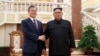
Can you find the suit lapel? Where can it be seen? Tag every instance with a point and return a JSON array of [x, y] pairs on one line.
[[39, 26], [31, 24]]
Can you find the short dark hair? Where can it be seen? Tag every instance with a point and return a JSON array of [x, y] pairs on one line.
[[57, 8], [31, 6]]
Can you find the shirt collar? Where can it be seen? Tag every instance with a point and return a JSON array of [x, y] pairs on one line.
[[32, 18], [58, 21]]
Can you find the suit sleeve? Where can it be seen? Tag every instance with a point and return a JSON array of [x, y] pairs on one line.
[[47, 32], [43, 43], [26, 32], [72, 42], [44, 46]]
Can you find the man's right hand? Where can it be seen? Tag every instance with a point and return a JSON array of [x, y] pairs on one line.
[[42, 38]]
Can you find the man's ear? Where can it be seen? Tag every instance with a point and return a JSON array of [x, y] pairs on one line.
[[62, 13]]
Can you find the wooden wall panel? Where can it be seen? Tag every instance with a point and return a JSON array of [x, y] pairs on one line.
[[76, 18]]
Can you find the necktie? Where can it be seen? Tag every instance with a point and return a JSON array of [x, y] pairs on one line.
[[35, 25]]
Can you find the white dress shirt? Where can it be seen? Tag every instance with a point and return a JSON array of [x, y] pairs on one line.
[[34, 21]]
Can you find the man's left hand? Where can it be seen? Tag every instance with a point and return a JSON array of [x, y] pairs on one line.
[[44, 51], [72, 49]]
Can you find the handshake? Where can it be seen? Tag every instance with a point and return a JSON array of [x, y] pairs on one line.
[[42, 38]]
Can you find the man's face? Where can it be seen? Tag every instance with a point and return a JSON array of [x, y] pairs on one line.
[[58, 14], [32, 12]]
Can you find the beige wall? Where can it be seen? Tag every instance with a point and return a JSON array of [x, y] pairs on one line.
[[4, 33], [37, 0], [1, 17], [42, 17], [89, 3]]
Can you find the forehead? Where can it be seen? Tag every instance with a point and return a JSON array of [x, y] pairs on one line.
[[33, 8], [57, 10]]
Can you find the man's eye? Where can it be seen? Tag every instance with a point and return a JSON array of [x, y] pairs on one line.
[[57, 12]]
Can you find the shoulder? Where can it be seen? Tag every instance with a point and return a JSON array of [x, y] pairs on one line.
[[50, 22], [66, 21], [39, 21], [26, 19]]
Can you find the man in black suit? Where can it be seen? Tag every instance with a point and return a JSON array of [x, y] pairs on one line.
[[60, 34], [33, 34]]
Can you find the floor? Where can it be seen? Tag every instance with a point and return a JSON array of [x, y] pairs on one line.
[[71, 55]]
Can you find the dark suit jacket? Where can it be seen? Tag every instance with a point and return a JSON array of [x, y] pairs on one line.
[[31, 43], [61, 37]]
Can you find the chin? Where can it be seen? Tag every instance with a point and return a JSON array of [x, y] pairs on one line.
[[33, 16]]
